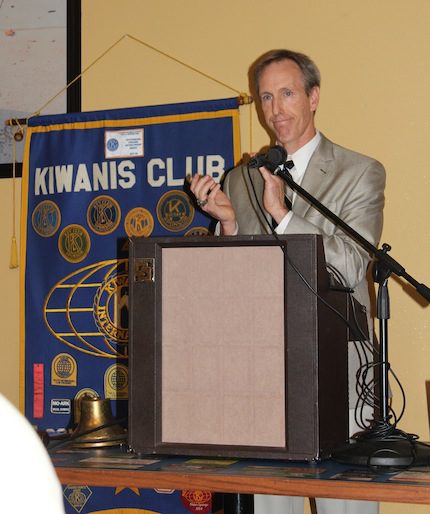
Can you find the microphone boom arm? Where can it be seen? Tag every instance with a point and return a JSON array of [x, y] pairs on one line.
[[381, 255], [382, 445]]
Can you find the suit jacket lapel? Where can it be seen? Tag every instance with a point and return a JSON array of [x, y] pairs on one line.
[[252, 225], [318, 171]]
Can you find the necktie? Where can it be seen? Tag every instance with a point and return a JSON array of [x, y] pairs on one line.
[[288, 191]]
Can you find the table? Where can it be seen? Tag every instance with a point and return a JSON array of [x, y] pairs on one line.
[[114, 467]]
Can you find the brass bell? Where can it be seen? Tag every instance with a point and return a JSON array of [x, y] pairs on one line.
[[96, 427]]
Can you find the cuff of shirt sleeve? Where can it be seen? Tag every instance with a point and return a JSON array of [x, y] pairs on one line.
[[282, 227], [218, 229]]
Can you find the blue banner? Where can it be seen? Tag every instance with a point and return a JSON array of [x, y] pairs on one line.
[[107, 500], [90, 181]]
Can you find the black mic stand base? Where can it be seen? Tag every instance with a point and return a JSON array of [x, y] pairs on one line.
[[383, 445], [384, 453]]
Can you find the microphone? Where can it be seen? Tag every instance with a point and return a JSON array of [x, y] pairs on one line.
[[275, 156]]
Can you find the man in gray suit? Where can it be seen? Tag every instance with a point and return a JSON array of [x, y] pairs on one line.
[[287, 85]]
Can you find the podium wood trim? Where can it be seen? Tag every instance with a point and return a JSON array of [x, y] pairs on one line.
[[316, 389]]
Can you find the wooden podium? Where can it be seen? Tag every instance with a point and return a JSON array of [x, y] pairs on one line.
[[233, 350]]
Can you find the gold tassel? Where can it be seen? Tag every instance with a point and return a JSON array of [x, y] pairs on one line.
[[13, 263]]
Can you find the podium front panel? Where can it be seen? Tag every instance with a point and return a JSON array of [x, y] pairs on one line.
[[223, 342], [226, 355]]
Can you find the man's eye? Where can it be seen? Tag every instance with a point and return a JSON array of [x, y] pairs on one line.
[[288, 92]]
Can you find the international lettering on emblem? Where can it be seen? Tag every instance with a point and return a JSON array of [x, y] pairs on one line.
[[99, 326], [111, 307]]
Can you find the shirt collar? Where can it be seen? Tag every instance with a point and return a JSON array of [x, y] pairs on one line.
[[303, 155]]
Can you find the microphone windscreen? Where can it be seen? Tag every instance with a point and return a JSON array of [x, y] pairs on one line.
[[275, 156], [257, 161]]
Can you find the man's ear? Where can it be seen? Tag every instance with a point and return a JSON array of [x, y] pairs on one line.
[[314, 98]]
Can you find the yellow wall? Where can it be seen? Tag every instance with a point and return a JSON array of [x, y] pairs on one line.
[[373, 58], [9, 299], [376, 77]]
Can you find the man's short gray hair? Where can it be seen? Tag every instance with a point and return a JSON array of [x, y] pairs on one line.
[[310, 71]]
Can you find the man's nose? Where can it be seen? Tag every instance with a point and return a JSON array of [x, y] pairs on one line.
[[276, 106]]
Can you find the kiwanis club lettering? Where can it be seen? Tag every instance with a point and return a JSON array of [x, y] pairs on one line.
[[67, 178], [112, 175], [161, 172]]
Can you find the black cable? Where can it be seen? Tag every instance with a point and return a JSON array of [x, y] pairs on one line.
[[364, 387], [375, 365], [67, 440], [292, 264], [269, 225]]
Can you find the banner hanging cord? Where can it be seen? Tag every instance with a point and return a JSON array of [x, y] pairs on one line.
[[17, 136], [243, 98]]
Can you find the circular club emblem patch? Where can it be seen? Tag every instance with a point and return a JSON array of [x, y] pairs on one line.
[[46, 218], [197, 231], [139, 222], [174, 211], [116, 382], [197, 501], [112, 144], [64, 366], [74, 243], [103, 215]]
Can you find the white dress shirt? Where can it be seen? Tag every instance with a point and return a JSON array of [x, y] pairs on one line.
[[301, 160]]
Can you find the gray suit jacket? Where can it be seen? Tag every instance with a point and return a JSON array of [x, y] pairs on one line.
[[348, 183]]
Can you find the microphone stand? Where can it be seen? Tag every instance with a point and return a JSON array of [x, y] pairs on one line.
[[382, 445]]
